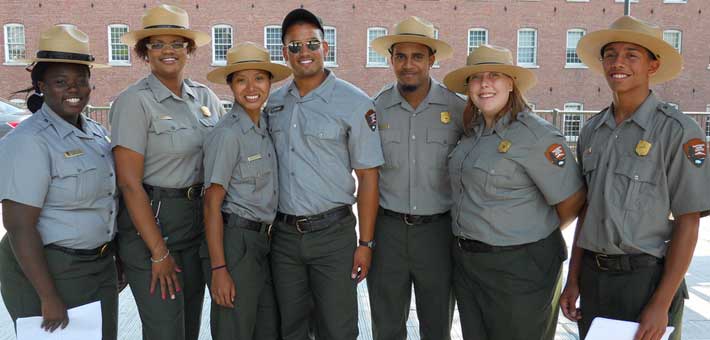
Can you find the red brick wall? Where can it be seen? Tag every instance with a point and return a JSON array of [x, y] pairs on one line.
[[502, 18]]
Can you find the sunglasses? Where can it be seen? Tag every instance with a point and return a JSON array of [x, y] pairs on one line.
[[295, 46], [161, 46]]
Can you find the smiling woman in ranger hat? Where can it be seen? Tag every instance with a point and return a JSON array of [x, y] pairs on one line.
[[642, 160], [515, 187], [240, 201], [158, 127], [58, 194]]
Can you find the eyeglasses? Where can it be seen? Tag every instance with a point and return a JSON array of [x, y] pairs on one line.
[[295, 46], [161, 46]]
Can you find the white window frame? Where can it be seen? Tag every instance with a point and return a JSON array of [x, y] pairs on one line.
[[436, 61], [332, 47], [534, 63], [676, 106], [266, 44], [572, 118], [215, 61], [6, 43], [622, 1], [679, 33], [226, 104], [578, 64], [468, 37], [707, 123], [675, 1], [111, 61], [370, 51]]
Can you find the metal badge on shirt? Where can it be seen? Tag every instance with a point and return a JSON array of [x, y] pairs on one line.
[[445, 117], [504, 146], [696, 151], [556, 154], [643, 148], [206, 111], [73, 153], [254, 157]]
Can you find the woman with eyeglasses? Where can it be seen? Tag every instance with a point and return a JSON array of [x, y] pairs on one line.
[[158, 127]]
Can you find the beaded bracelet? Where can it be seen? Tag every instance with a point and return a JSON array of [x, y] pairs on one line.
[[162, 258]]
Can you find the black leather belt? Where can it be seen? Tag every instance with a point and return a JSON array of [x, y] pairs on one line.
[[620, 263], [413, 219], [474, 246], [233, 220], [310, 223], [191, 193], [100, 251]]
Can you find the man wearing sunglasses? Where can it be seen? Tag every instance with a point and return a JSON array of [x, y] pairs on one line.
[[323, 128], [420, 124]]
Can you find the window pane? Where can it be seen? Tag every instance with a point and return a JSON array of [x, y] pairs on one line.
[[572, 122], [119, 51], [526, 47], [572, 40], [222, 41], [273, 43], [372, 56], [673, 38], [330, 37], [476, 37], [15, 42]]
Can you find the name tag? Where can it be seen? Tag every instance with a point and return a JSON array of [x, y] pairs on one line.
[[73, 153], [107, 138], [276, 109], [254, 157], [384, 126], [165, 117]]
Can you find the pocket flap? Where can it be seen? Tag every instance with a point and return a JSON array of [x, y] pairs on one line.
[[441, 136]]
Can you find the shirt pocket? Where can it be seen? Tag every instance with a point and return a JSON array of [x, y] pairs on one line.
[[173, 136], [74, 180], [327, 138], [589, 166], [254, 177], [391, 139], [641, 183], [440, 142], [482, 176]]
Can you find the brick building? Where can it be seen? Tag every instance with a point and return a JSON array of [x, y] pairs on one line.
[[541, 34]]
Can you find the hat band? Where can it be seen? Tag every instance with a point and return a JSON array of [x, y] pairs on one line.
[[164, 26], [491, 63], [248, 61], [65, 56], [416, 34]]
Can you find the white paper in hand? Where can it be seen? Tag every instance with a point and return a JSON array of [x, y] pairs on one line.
[[610, 329], [84, 324]]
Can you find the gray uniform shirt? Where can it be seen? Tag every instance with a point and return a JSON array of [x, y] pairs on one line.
[[629, 194], [68, 173], [415, 179], [240, 157], [506, 181], [320, 138], [166, 129]]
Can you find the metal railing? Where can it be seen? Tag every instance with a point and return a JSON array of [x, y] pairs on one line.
[[99, 114]]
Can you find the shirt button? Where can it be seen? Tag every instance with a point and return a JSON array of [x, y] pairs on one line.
[[294, 125], [493, 171], [109, 194], [110, 175], [292, 174], [414, 137], [636, 177], [103, 156], [292, 150], [414, 207]]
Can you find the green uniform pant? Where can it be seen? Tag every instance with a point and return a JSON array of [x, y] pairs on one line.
[[255, 315], [405, 255], [511, 294], [623, 295], [78, 279], [181, 223], [312, 279]]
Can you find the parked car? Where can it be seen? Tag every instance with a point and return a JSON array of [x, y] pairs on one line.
[[11, 116]]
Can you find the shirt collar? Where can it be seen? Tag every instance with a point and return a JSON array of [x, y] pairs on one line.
[[436, 95], [324, 90], [161, 92], [244, 121], [642, 115], [63, 127]]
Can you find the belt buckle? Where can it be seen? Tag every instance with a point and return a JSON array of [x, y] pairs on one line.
[[405, 218], [190, 192], [103, 249], [269, 228], [599, 265], [458, 242], [298, 225]]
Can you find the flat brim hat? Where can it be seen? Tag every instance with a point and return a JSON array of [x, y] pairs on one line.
[[631, 30], [248, 56], [165, 20], [488, 58], [413, 30], [300, 15], [64, 44]]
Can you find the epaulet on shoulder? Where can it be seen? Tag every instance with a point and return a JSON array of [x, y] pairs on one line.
[[193, 83], [596, 115], [675, 114], [89, 119], [456, 94], [383, 90], [536, 124]]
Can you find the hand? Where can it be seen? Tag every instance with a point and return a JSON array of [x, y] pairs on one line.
[[223, 290], [653, 322], [164, 272], [361, 263], [54, 314], [568, 301]]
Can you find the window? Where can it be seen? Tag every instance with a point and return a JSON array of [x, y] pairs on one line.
[[571, 57], [622, 1], [221, 43], [14, 43], [532, 106], [272, 42], [675, 1], [477, 37], [572, 122], [373, 58], [436, 36], [674, 105], [527, 47], [707, 123], [331, 36], [118, 53], [673, 37], [227, 105]]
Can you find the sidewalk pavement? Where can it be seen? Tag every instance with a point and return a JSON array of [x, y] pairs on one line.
[[696, 319]]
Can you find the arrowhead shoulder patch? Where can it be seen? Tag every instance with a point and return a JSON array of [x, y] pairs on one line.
[[556, 154], [371, 119]]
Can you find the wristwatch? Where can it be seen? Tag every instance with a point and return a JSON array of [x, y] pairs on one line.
[[370, 244]]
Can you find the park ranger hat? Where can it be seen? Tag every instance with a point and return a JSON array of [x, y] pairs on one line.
[[632, 30], [414, 30], [248, 56], [488, 58], [165, 20], [64, 44]]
